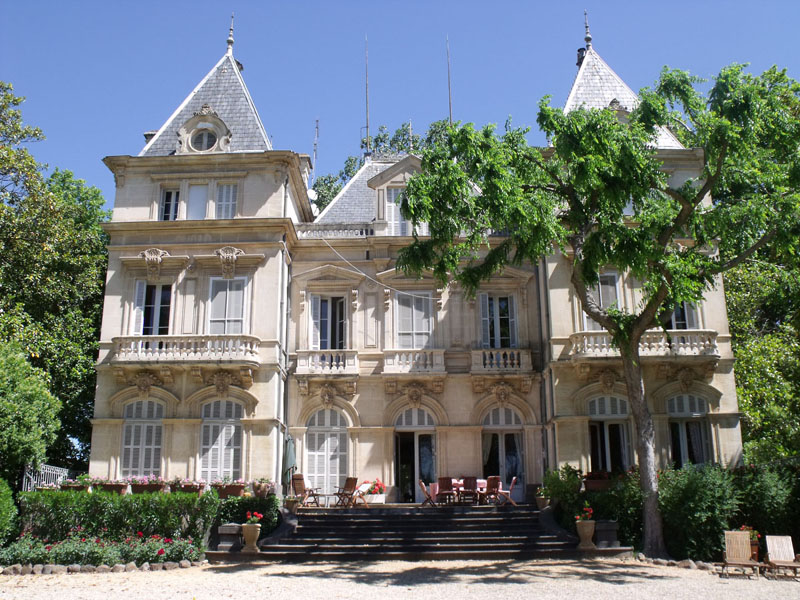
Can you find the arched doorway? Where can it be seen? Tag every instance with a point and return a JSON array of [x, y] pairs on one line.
[[326, 450], [414, 452], [502, 449]]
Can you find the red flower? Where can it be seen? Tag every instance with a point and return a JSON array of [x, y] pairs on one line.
[[160, 551], [167, 540], [140, 534], [83, 539], [97, 540], [249, 515], [48, 548]]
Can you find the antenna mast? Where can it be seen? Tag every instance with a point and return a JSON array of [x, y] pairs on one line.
[[366, 68], [314, 159], [449, 87]]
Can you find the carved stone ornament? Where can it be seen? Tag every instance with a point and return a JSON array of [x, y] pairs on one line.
[[326, 393], [166, 375], [439, 299], [354, 299], [227, 257], [152, 259], [302, 384], [350, 388], [607, 379], [414, 391], [478, 384], [205, 111], [197, 374], [246, 376], [685, 377], [502, 392], [437, 385], [222, 381], [143, 381], [387, 298]]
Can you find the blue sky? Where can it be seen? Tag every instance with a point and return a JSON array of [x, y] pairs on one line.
[[99, 74]]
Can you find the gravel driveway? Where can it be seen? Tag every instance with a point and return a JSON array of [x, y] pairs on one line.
[[387, 580]]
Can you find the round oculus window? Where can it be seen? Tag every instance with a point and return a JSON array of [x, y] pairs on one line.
[[202, 140]]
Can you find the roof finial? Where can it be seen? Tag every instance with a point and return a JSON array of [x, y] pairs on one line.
[[230, 37], [588, 37]]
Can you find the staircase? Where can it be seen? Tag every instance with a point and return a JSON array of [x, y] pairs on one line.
[[412, 533]]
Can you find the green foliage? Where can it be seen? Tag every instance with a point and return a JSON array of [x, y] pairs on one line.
[[53, 514], [235, 509], [622, 502], [564, 488], [28, 421], [697, 505], [8, 512], [766, 498], [52, 272], [83, 549]]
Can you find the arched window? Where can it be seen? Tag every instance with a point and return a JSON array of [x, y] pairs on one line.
[[221, 441], [502, 417], [141, 438], [690, 437], [415, 418], [502, 448], [326, 450], [609, 434]]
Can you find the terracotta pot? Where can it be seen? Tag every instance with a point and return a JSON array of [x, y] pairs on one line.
[[75, 487], [262, 490], [250, 532], [228, 490], [754, 550], [291, 505], [542, 502], [114, 488], [140, 488], [596, 485], [188, 488], [585, 533]]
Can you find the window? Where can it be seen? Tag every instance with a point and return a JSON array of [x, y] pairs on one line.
[[605, 294], [397, 224], [414, 319], [141, 439], [221, 443], [168, 209], [198, 198], [226, 200], [502, 448], [151, 309], [498, 322], [227, 306], [689, 430], [415, 418], [203, 140], [328, 323], [326, 447], [609, 436], [684, 316]]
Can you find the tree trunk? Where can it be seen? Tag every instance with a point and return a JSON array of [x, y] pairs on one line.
[[653, 542]]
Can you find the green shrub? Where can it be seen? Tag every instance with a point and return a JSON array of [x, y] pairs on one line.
[[564, 487], [697, 506], [8, 512], [54, 514], [622, 502], [235, 509], [766, 495], [82, 549]]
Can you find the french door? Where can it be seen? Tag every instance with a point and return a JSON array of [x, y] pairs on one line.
[[502, 455], [327, 460], [415, 459]]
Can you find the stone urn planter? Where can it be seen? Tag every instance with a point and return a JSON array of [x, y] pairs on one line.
[[228, 490], [263, 489], [542, 502], [375, 498], [292, 504], [114, 488], [585, 533], [250, 532], [143, 488]]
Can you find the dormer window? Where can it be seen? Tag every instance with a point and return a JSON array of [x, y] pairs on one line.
[[204, 140], [204, 132], [397, 224]]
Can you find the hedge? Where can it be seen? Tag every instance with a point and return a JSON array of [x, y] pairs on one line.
[[235, 509], [8, 512]]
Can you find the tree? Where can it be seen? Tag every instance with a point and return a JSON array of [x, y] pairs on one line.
[[600, 191], [28, 421], [52, 272]]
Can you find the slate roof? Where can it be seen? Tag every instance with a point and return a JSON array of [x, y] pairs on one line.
[[356, 202], [224, 90], [597, 85]]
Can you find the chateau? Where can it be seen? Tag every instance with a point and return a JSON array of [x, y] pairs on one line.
[[234, 318]]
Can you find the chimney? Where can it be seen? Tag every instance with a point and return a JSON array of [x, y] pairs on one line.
[[581, 56], [149, 135]]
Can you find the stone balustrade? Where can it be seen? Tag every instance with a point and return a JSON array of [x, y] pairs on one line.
[[327, 362], [186, 348], [494, 360], [675, 342], [413, 361]]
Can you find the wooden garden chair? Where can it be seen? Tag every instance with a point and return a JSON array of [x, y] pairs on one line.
[[780, 554], [360, 494], [345, 494], [428, 499], [505, 495], [304, 493], [469, 490], [738, 554], [490, 494], [446, 492]]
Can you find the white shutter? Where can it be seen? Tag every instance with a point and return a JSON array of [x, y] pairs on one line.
[[608, 290], [198, 198], [219, 289], [405, 321], [485, 341], [235, 307], [691, 315], [512, 321], [314, 325], [138, 307]]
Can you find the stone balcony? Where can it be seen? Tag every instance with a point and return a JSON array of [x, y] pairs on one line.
[[327, 362], [501, 360], [654, 343], [232, 349], [413, 361]]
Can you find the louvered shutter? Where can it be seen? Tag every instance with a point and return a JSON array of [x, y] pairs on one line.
[[512, 321], [691, 316], [315, 327], [486, 342], [138, 307]]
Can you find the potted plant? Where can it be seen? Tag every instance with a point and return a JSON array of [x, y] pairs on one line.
[[227, 487], [115, 486], [146, 483], [251, 529], [291, 503], [542, 498], [754, 537], [189, 486], [584, 523], [596, 481], [376, 494], [263, 487], [80, 484]]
